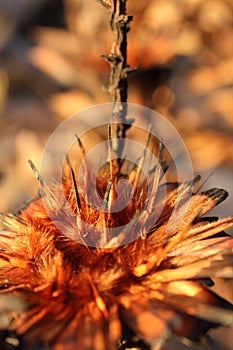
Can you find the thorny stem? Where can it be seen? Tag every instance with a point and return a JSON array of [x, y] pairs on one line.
[[118, 81]]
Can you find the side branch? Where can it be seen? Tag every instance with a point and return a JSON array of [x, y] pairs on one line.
[[104, 3]]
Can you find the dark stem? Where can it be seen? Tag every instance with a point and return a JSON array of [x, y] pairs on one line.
[[118, 81]]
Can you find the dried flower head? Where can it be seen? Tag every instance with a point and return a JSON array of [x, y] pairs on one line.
[[112, 294]]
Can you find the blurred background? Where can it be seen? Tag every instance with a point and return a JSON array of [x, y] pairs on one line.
[[50, 68]]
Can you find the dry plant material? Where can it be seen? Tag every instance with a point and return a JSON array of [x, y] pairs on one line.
[[122, 295], [118, 82], [112, 294]]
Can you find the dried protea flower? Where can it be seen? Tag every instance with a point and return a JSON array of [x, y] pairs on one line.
[[97, 278]]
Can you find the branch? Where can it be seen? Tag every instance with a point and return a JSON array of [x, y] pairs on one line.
[[117, 59]]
